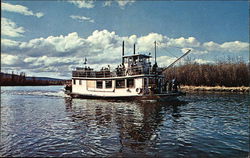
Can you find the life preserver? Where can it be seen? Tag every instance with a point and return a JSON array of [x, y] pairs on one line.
[[138, 90]]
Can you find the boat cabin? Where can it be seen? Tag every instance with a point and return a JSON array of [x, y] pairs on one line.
[[134, 76]]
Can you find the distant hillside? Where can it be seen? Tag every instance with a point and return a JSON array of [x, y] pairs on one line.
[[21, 80], [45, 78]]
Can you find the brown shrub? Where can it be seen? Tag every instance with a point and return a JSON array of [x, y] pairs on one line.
[[221, 74]]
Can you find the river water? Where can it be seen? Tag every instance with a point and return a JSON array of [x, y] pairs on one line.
[[42, 121]]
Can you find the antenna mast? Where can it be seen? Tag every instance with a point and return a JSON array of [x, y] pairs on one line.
[[155, 52]]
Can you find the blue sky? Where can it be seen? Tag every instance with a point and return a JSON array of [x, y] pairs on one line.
[[215, 29]]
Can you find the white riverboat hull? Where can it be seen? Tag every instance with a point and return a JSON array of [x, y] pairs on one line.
[[159, 97]]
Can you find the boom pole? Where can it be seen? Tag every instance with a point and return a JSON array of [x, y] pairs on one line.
[[179, 58]]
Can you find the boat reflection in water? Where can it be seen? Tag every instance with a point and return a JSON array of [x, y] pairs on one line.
[[120, 128]]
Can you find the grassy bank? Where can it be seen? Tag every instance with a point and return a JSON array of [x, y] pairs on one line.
[[241, 89]]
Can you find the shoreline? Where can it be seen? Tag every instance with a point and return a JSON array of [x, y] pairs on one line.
[[30, 85], [194, 89], [241, 89]]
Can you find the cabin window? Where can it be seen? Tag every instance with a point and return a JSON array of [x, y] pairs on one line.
[[80, 82], [74, 81], [108, 84], [120, 83], [99, 84], [130, 83]]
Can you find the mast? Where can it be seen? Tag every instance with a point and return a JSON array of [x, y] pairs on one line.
[[122, 52], [155, 52], [155, 66]]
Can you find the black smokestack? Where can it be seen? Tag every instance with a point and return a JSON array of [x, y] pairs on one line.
[[122, 48], [134, 48]]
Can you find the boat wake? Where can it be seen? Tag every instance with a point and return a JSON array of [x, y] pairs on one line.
[[39, 93]]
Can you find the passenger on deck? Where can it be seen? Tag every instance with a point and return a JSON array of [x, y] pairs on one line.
[[165, 86], [176, 85], [170, 86]]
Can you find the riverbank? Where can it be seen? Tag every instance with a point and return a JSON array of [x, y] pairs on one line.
[[23, 80], [242, 89], [227, 73], [19, 85]]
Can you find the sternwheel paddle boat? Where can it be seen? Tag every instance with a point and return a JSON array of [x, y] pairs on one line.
[[134, 79]]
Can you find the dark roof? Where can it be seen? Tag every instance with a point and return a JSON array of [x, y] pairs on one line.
[[146, 56]]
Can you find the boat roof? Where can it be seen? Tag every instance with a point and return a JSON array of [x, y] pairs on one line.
[[146, 56]]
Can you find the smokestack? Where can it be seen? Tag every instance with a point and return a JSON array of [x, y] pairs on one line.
[[122, 48], [134, 48]]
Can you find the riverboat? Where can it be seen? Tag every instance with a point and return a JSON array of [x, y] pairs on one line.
[[134, 79]]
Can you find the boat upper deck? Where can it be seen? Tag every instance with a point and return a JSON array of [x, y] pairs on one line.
[[132, 65], [119, 72]]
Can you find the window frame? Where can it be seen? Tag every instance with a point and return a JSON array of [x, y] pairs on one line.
[[106, 84], [127, 80], [120, 86], [99, 87]]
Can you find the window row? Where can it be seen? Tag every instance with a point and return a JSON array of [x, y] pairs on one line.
[[120, 83]]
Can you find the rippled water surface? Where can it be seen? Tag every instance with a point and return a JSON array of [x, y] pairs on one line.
[[42, 121]]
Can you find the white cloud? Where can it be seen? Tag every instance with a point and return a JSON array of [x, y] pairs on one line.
[[102, 48], [235, 46], [194, 51], [164, 61], [55, 46], [39, 15], [121, 3], [107, 3], [7, 59], [202, 61], [146, 43], [82, 18], [9, 28], [182, 42], [83, 3], [8, 43], [20, 9], [51, 61], [211, 46]]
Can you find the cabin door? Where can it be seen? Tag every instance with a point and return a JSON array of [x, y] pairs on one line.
[[145, 84]]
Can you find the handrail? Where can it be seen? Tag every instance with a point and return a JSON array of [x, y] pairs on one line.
[[135, 70]]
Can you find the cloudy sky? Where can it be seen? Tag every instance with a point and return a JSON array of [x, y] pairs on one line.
[[50, 38]]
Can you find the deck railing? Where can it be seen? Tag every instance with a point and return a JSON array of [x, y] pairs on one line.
[[136, 70]]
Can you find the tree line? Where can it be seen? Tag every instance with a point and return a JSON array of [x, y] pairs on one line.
[[21, 80], [223, 73]]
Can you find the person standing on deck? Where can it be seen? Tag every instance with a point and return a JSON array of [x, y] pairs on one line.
[[170, 86], [176, 85]]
